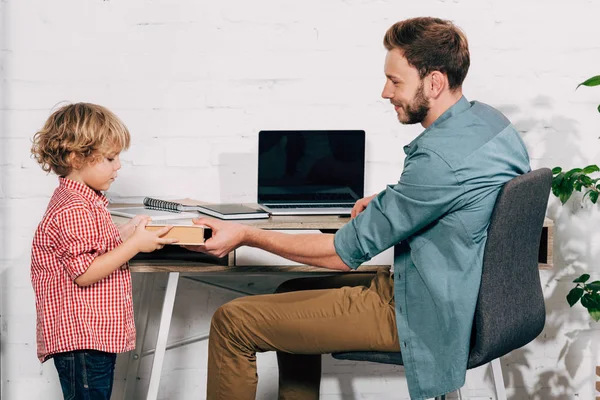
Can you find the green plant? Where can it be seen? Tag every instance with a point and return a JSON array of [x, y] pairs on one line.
[[593, 81], [563, 185], [589, 293]]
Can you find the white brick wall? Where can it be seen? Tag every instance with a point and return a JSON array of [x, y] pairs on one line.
[[196, 80]]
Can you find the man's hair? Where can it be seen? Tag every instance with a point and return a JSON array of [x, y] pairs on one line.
[[431, 44], [88, 131]]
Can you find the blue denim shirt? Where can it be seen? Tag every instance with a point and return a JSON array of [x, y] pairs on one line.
[[437, 216]]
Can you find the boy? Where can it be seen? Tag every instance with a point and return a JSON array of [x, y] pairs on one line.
[[79, 256]]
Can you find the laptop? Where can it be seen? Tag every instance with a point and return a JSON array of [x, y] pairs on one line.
[[315, 172]]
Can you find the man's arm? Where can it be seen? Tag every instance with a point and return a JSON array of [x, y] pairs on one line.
[[310, 249]]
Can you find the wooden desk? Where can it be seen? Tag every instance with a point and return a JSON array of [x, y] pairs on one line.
[[327, 224]]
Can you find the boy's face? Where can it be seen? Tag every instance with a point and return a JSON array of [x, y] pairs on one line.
[[100, 173]]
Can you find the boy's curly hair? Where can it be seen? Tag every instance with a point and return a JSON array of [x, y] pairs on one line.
[[88, 131]]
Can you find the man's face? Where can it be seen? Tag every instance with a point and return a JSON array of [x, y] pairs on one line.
[[405, 89]]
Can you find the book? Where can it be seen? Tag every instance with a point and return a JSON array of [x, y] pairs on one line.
[[228, 211], [184, 231], [130, 212]]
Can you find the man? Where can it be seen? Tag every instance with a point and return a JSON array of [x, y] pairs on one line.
[[436, 217]]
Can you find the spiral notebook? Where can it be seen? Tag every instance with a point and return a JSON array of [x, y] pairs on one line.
[[155, 214], [228, 211]]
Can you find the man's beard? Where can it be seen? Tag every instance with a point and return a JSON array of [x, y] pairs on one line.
[[418, 110]]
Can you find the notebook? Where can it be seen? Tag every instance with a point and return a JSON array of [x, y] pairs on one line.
[[155, 214], [229, 211], [310, 172]]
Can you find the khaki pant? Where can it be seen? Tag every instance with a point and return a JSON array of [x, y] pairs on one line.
[[350, 312]]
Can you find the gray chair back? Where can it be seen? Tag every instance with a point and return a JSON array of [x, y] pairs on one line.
[[510, 309]]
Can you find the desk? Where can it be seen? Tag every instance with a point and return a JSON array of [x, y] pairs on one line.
[[326, 224]]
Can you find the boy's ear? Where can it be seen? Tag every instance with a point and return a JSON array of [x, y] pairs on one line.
[[76, 160]]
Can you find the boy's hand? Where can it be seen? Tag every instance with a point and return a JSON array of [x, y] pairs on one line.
[[147, 241], [126, 230]]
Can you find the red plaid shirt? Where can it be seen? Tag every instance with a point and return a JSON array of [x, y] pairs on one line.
[[76, 229]]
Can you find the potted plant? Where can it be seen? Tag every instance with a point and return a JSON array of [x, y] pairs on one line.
[[563, 185]]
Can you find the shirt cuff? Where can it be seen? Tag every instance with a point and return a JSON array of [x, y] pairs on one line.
[[78, 265], [347, 246]]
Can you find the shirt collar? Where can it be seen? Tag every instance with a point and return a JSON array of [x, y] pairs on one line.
[[460, 106], [93, 196]]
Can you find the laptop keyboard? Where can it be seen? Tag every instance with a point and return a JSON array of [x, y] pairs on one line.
[[309, 206]]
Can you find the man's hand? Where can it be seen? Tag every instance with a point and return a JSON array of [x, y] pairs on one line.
[[126, 230], [361, 205], [226, 237]]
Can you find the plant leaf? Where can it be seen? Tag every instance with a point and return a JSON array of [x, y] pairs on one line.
[[582, 279], [557, 184], [556, 170], [591, 168], [565, 188], [585, 180], [595, 286], [595, 313], [574, 296], [573, 172], [593, 196], [593, 81], [589, 301]]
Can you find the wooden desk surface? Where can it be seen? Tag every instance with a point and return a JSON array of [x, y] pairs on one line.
[[323, 223]]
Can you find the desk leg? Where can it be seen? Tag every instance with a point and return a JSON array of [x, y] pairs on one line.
[[163, 333], [142, 308]]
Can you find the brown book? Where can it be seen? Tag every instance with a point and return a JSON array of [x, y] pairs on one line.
[[185, 233]]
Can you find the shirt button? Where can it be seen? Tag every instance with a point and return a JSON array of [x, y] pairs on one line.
[[404, 344], [400, 309]]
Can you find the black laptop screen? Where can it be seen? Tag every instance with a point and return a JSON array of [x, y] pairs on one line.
[[309, 166]]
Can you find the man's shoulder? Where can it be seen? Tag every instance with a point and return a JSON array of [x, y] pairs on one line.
[[468, 133]]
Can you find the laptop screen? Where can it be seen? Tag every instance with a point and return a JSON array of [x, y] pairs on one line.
[[311, 166]]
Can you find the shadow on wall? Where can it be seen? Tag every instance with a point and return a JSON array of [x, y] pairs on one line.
[[557, 138]]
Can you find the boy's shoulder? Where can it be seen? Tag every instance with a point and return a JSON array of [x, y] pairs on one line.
[[64, 200]]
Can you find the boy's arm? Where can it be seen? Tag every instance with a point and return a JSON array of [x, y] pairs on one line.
[[140, 241], [107, 263]]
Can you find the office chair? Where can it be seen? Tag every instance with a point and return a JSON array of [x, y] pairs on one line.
[[510, 308]]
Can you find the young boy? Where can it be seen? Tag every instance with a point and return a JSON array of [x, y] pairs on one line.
[[79, 257]]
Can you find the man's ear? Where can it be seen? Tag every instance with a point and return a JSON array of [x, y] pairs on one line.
[[436, 83]]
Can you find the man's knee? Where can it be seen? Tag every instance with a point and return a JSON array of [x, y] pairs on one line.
[[228, 316]]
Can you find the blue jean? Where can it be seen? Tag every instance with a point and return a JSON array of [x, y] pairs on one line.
[[86, 374]]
